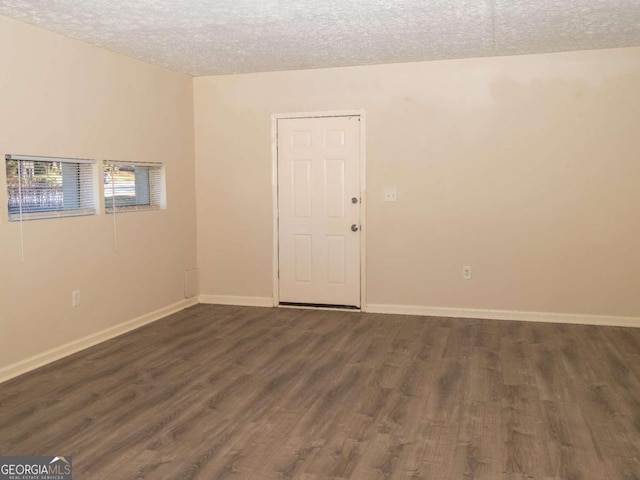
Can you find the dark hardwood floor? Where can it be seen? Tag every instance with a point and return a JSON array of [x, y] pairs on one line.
[[219, 392]]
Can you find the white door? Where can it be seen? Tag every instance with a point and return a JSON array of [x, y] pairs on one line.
[[319, 210]]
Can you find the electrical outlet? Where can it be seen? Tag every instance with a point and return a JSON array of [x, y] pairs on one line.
[[75, 298], [466, 273], [390, 195]]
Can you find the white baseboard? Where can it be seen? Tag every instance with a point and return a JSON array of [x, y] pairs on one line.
[[574, 318], [70, 348], [237, 300]]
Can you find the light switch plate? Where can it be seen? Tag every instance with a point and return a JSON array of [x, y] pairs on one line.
[[75, 298], [466, 272]]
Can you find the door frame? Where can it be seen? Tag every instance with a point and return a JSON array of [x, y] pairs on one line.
[[363, 194]]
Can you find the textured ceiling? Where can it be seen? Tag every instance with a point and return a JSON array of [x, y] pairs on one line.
[[200, 37]]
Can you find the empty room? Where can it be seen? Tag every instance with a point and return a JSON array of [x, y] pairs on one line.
[[262, 239]]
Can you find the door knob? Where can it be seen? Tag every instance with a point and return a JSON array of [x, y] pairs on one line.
[[354, 228]]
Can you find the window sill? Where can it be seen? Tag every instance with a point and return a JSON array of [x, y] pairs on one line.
[[17, 217], [133, 208]]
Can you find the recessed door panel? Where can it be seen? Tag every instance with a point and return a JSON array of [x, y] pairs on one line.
[[301, 139], [336, 264], [301, 186], [334, 138], [334, 188], [303, 261]]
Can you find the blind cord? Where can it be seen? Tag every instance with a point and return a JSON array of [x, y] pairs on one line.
[[113, 207], [20, 207]]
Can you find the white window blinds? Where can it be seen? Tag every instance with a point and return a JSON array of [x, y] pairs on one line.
[[48, 187], [130, 186]]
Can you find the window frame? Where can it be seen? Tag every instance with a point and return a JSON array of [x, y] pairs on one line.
[[85, 192], [155, 191]]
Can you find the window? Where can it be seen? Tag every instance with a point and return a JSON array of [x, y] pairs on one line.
[[133, 186], [45, 187]]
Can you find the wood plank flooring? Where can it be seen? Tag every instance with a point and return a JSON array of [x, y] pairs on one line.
[[220, 392]]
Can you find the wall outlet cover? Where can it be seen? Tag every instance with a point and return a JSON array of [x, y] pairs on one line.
[[390, 195]]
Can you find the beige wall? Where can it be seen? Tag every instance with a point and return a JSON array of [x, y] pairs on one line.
[[60, 97], [525, 168]]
